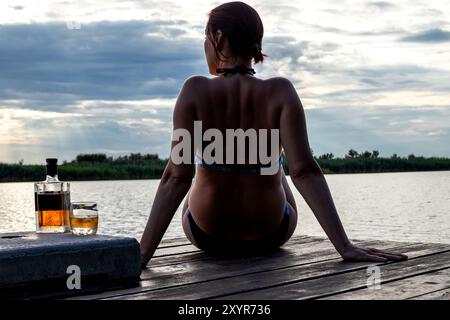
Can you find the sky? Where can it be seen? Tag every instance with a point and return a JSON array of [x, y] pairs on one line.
[[103, 76]]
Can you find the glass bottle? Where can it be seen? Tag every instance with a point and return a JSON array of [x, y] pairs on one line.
[[52, 201]]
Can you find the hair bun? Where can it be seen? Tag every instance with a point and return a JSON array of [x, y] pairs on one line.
[[241, 25], [258, 56]]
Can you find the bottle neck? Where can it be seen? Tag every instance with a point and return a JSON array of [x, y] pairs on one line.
[[53, 178], [52, 169]]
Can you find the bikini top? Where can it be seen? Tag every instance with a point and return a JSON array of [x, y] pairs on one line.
[[237, 69]]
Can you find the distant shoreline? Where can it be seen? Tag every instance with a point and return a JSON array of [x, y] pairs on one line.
[[138, 179], [97, 167], [135, 166]]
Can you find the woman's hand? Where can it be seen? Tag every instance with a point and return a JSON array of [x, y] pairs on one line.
[[354, 253]]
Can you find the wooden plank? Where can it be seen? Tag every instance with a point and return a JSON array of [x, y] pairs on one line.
[[161, 258], [175, 250], [202, 267], [178, 249], [315, 288], [296, 253], [172, 242], [401, 289], [167, 275], [443, 294], [167, 258], [261, 279]]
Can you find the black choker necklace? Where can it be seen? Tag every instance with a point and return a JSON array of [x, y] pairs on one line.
[[237, 69]]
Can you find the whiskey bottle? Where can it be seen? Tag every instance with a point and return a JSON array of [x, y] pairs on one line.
[[52, 201]]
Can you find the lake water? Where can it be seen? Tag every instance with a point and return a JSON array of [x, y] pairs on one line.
[[405, 206]]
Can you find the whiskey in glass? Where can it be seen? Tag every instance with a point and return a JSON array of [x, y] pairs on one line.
[[83, 218]]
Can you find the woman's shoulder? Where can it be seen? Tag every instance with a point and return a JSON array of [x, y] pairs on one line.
[[279, 85], [279, 88], [198, 79], [195, 81], [279, 82]]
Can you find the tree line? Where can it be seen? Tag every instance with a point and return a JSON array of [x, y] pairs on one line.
[[370, 162], [98, 166]]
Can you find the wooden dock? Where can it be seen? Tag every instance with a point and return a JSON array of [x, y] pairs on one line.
[[305, 268]]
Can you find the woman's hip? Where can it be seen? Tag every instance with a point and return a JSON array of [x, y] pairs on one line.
[[207, 242]]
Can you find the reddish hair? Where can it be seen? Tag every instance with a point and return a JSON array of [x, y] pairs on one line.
[[241, 25]]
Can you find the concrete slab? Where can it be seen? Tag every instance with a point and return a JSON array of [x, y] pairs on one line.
[[27, 257]]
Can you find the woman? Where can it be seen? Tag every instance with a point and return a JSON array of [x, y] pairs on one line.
[[235, 207]]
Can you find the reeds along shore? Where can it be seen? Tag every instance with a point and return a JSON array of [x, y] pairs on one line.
[[150, 166]]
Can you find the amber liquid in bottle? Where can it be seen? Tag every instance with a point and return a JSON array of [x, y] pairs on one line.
[[52, 202], [52, 211]]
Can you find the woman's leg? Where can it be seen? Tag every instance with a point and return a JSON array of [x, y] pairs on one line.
[[185, 221], [292, 207]]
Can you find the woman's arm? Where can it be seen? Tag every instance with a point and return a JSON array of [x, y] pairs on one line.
[[176, 179], [171, 191], [309, 180]]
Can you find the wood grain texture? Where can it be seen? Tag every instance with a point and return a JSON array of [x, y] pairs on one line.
[[326, 286], [305, 268], [274, 282], [406, 288]]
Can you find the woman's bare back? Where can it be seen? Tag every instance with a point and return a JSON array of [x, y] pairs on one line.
[[237, 205]]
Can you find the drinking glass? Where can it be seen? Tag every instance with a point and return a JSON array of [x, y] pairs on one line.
[[83, 218]]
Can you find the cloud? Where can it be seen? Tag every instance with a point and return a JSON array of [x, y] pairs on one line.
[[104, 60], [387, 129], [428, 36], [382, 5], [17, 7], [384, 31], [115, 81], [119, 127], [111, 84]]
